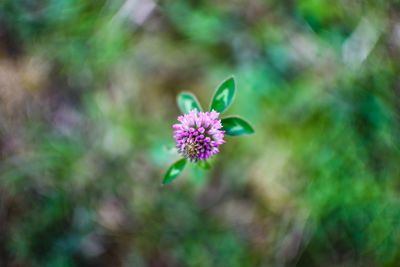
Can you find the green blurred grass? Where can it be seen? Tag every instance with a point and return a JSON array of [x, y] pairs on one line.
[[87, 103]]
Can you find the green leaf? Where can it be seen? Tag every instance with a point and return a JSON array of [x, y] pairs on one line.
[[187, 102], [174, 171], [236, 126], [223, 96], [204, 165]]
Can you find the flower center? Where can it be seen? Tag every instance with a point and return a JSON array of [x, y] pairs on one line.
[[191, 150]]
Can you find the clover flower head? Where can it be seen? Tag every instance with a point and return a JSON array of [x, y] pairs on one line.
[[198, 135]]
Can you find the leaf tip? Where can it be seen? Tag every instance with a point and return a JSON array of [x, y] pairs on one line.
[[231, 79], [187, 101]]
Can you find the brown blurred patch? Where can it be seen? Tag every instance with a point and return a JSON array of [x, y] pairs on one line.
[[21, 84]]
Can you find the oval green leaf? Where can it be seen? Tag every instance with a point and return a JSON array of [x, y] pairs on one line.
[[223, 96], [187, 102], [174, 171], [235, 126]]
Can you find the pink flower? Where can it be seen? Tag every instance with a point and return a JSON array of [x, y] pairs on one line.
[[198, 135]]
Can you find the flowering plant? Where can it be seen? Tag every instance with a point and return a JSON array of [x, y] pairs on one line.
[[199, 134]]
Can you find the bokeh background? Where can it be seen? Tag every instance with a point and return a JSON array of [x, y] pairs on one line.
[[87, 100]]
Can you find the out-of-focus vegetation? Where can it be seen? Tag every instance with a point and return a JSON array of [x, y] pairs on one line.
[[87, 100]]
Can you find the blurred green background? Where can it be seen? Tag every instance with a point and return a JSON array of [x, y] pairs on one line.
[[87, 101]]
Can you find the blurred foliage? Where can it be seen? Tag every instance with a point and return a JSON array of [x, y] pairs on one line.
[[87, 100]]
